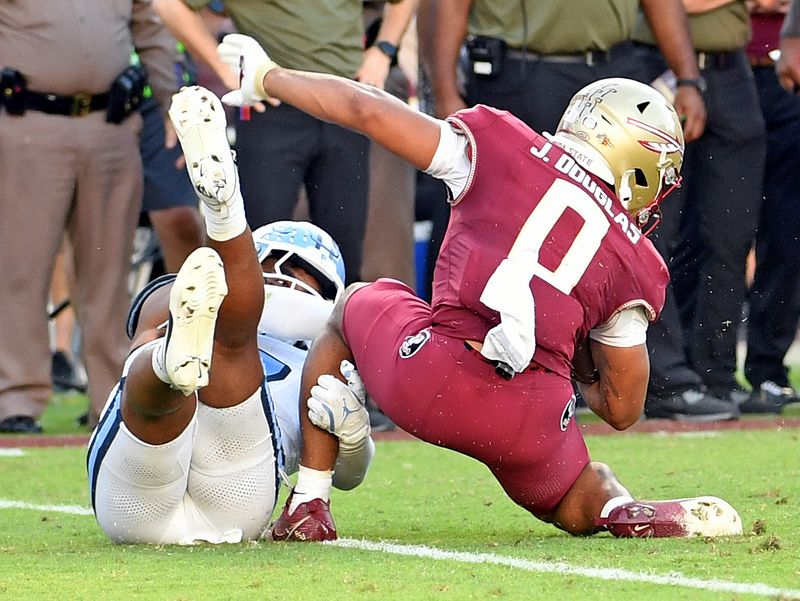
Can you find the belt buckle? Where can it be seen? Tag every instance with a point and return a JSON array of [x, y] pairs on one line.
[[81, 104], [702, 60], [589, 58]]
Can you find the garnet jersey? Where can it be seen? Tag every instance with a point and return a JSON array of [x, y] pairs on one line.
[[528, 201]]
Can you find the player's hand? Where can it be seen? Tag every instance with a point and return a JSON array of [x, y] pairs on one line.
[[245, 57], [339, 408]]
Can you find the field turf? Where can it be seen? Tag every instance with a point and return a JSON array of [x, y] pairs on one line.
[[427, 524]]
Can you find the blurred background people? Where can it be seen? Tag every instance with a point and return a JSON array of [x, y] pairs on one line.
[[67, 373], [774, 298], [514, 49], [709, 222], [389, 235], [69, 142], [281, 150]]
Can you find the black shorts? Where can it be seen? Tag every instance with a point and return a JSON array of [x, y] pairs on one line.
[[164, 185]]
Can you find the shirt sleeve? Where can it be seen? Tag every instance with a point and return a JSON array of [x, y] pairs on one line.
[[625, 328], [450, 162]]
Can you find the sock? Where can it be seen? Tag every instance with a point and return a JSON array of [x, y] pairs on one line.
[[229, 221], [612, 504], [311, 484], [158, 359]]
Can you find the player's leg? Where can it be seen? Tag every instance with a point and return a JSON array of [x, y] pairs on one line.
[[150, 476], [157, 423], [597, 501], [555, 479], [158, 399], [584, 501], [199, 120]]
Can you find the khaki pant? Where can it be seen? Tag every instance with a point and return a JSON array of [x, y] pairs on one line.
[[389, 238], [82, 176]]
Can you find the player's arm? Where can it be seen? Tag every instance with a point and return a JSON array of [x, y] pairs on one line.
[[612, 367], [618, 394], [441, 28], [337, 406], [380, 116]]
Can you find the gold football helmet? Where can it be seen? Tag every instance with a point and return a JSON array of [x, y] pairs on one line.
[[638, 134]]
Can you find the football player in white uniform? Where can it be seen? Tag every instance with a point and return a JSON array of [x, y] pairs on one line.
[[194, 440]]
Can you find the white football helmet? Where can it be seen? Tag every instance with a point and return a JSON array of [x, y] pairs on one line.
[[294, 311], [637, 135]]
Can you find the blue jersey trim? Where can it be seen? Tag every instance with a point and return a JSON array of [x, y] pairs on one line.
[[106, 431]]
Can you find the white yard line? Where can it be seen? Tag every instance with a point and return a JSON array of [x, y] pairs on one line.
[[73, 509], [12, 452], [564, 568], [423, 552]]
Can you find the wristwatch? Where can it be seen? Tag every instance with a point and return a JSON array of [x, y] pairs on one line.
[[699, 83], [387, 48]]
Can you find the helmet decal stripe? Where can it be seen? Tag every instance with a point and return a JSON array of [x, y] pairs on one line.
[[670, 144]]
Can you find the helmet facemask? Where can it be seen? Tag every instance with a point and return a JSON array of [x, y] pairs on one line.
[[648, 217]]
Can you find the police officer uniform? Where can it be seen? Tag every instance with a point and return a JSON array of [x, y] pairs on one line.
[[65, 169]]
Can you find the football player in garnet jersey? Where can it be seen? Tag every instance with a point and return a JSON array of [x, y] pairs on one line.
[[544, 252], [184, 454]]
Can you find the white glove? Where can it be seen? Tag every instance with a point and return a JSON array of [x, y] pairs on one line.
[[247, 58], [339, 408]]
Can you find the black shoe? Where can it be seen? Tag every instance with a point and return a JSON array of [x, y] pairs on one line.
[[379, 422], [63, 374], [20, 424], [83, 419], [736, 395], [691, 405], [769, 398]]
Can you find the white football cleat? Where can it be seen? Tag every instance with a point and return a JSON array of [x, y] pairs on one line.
[[194, 303], [699, 516], [199, 120], [711, 516]]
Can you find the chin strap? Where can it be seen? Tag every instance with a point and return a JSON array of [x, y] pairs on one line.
[[625, 192], [648, 219]]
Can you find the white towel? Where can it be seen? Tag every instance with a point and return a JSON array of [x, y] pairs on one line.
[[508, 291]]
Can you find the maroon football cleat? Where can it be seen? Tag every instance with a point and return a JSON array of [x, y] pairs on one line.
[[701, 516], [310, 522]]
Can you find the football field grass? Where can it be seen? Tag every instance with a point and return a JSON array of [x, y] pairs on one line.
[[426, 524]]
